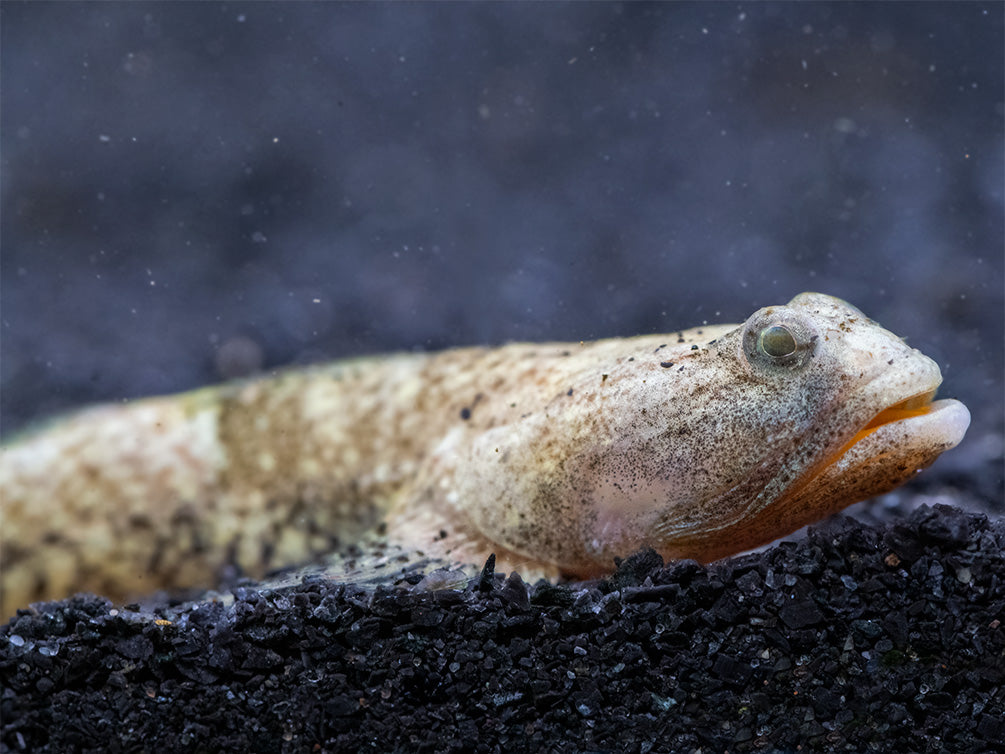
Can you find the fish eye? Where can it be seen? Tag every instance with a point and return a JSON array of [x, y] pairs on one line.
[[778, 337], [776, 341]]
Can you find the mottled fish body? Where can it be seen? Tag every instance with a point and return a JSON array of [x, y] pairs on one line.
[[557, 457]]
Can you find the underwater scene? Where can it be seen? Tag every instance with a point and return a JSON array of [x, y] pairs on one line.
[[596, 277]]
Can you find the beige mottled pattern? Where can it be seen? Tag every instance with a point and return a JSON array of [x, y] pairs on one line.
[[558, 457]]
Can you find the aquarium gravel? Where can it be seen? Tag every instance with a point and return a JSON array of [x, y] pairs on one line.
[[857, 638]]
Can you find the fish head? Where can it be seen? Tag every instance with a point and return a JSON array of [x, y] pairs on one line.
[[846, 411]]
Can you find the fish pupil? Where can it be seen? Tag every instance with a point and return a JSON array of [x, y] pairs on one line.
[[776, 341]]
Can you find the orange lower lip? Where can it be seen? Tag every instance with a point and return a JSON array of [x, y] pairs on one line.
[[919, 405]]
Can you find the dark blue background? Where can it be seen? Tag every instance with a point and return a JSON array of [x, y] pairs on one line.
[[192, 190]]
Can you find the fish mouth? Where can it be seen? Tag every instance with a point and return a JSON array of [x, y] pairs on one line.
[[890, 448], [909, 408], [918, 420]]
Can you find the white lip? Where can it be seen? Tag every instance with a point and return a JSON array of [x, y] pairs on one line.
[[946, 419], [941, 427]]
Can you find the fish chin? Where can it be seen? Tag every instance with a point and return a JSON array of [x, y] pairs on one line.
[[895, 445], [899, 441]]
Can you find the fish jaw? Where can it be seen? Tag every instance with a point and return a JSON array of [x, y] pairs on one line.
[[880, 461], [887, 455]]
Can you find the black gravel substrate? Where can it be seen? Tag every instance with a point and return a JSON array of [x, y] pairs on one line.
[[857, 639]]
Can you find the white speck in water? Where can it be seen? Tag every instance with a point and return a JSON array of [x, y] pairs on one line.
[[844, 126]]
